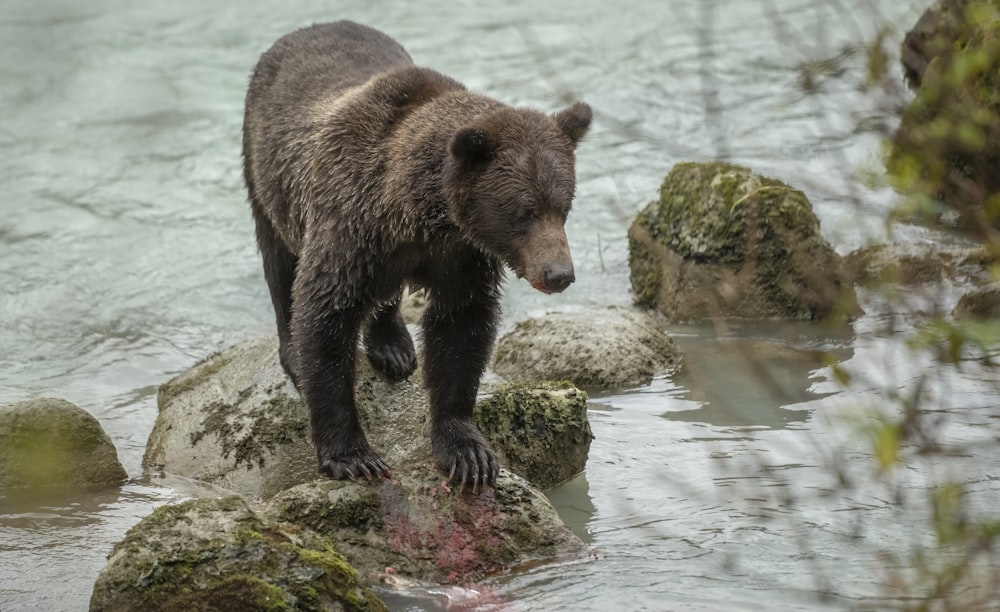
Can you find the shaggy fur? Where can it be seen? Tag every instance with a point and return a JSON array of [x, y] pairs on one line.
[[366, 173]]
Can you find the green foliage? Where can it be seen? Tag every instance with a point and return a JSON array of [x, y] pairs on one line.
[[944, 158], [946, 151]]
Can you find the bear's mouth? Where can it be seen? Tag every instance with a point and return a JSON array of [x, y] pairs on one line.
[[539, 283]]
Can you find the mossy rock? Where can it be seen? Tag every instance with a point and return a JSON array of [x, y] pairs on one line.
[[723, 241], [598, 348], [51, 442], [216, 554], [539, 429], [235, 420]]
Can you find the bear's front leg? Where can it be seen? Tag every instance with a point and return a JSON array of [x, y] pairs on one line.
[[458, 338], [325, 343]]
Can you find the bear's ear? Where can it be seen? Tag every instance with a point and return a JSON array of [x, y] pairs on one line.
[[472, 145], [574, 121]]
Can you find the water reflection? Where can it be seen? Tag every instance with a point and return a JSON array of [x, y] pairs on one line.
[[753, 373], [64, 535]]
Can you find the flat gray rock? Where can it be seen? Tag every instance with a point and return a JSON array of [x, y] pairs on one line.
[[598, 348]]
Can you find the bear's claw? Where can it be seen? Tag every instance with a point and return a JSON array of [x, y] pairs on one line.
[[363, 463], [466, 457]]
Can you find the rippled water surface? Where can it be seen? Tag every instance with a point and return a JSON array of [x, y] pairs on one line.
[[127, 253]]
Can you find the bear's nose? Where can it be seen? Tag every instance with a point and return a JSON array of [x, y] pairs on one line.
[[558, 277]]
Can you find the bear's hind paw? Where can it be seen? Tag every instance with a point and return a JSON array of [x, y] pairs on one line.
[[396, 362]]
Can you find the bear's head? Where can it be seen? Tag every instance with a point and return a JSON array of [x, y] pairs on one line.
[[509, 181]]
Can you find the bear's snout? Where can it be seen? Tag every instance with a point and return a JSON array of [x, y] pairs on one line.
[[557, 277], [549, 264]]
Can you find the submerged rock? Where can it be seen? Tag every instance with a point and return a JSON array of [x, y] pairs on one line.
[[597, 349], [235, 421], [420, 528], [550, 441], [216, 554], [915, 264], [51, 442], [723, 241], [981, 303]]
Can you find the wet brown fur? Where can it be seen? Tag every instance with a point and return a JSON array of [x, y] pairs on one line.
[[366, 173]]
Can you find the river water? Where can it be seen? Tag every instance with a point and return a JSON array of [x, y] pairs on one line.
[[747, 481]]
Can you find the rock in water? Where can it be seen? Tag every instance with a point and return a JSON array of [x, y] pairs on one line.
[[723, 241], [51, 442], [550, 441], [599, 348], [235, 421], [215, 554]]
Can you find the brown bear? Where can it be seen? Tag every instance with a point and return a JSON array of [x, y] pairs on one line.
[[366, 173]]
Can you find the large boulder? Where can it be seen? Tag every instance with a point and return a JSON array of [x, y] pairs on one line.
[[598, 348], [723, 241], [51, 442], [933, 35], [235, 421], [216, 554]]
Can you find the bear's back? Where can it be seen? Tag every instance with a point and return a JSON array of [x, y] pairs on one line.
[[321, 61]]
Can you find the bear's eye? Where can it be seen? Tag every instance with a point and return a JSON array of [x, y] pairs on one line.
[[527, 215]]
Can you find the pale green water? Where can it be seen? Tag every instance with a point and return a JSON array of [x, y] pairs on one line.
[[127, 254]]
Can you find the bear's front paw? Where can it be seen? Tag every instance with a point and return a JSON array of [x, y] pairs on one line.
[[362, 462], [461, 452]]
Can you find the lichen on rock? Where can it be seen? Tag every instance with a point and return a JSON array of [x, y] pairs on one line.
[[235, 421], [724, 241], [51, 442], [216, 554], [214, 426]]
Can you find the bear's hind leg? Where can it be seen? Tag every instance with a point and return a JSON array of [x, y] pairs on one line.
[[388, 343], [279, 272]]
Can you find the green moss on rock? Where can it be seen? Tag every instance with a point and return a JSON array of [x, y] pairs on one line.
[[723, 241], [429, 531], [540, 430], [218, 555], [250, 435]]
